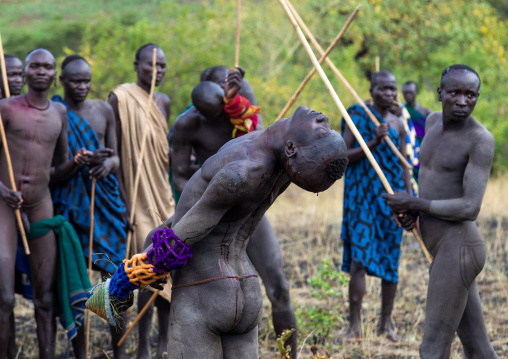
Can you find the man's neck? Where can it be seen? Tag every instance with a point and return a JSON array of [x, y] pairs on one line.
[[412, 104], [37, 98], [382, 111], [74, 105], [274, 142], [450, 124], [145, 87]]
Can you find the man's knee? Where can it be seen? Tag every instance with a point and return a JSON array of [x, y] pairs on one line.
[[44, 302], [277, 290], [7, 302]]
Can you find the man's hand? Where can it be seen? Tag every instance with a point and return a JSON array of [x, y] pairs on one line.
[[400, 201], [100, 155], [82, 158], [381, 132], [12, 198], [234, 82], [100, 171], [408, 221]]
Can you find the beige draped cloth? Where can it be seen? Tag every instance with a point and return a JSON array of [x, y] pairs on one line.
[[154, 191]]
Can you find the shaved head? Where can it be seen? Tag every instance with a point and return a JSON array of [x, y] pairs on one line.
[[35, 52], [208, 96]]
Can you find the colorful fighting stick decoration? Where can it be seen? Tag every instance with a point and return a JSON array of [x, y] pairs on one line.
[[346, 116], [115, 295], [7, 94]]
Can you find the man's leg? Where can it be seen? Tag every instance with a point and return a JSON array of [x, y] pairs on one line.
[[265, 254], [43, 270], [472, 331], [163, 310], [388, 291], [117, 334], [356, 294], [11, 352], [78, 343], [243, 346], [8, 244], [145, 325]]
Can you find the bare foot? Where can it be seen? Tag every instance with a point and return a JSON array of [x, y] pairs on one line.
[[389, 332], [352, 334]]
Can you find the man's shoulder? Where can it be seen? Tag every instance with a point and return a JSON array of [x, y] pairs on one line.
[[480, 132], [423, 110], [433, 118], [162, 97], [189, 120], [99, 105]]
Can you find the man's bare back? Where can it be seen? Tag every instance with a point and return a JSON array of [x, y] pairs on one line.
[[456, 156]]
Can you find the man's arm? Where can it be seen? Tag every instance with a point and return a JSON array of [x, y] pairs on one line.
[[466, 207], [183, 132], [111, 163], [11, 197], [356, 154]]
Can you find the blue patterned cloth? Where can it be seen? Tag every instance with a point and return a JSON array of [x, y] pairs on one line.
[[371, 237], [72, 200]]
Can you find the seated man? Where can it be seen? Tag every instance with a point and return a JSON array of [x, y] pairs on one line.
[[216, 298], [456, 156]]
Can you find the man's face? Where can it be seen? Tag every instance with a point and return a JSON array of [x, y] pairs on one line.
[[315, 146], [40, 70], [76, 80], [459, 93], [144, 69], [384, 91], [409, 93], [14, 69]]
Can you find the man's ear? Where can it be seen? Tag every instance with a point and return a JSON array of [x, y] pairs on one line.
[[290, 149], [136, 64], [439, 97]]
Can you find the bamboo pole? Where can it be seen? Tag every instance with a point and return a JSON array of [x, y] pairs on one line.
[[142, 151], [90, 254], [377, 63], [358, 99], [138, 318], [346, 116], [324, 56], [237, 47], [17, 212]]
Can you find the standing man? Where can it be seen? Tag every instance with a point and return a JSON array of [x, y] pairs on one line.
[[371, 237], [36, 130], [91, 126], [456, 157], [14, 70], [218, 116], [129, 102]]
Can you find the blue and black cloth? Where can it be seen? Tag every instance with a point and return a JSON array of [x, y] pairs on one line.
[[371, 237], [72, 199]]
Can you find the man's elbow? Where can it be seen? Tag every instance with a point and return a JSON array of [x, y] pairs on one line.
[[470, 212]]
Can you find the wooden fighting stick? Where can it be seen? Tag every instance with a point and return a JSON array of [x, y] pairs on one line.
[[377, 63], [237, 47], [17, 212], [358, 99], [324, 56], [346, 116], [90, 254], [142, 151]]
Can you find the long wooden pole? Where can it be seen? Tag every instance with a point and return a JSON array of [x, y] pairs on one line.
[[345, 114], [143, 311], [358, 99], [238, 23], [17, 212], [90, 255], [142, 150], [324, 56], [377, 63]]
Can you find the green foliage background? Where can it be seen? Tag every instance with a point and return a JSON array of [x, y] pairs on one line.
[[415, 40]]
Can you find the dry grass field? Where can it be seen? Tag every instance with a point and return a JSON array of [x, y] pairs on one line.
[[308, 228]]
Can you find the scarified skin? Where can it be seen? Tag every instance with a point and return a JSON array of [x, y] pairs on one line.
[[223, 239]]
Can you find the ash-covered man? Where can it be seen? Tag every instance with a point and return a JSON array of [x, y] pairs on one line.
[[91, 127], [224, 108], [371, 237], [456, 156]]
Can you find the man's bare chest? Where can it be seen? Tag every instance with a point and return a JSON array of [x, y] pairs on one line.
[[42, 128], [443, 152]]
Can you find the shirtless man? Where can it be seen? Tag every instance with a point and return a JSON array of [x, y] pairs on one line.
[[128, 102], [36, 130], [456, 156], [92, 126], [14, 70], [205, 128], [219, 210]]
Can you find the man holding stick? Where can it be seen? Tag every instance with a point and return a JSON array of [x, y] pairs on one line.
[[129, 103], [205, 129], [456, 156], [36, 130], [91, 126], [371, 238]]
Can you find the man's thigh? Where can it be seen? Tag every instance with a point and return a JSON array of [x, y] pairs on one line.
[[8, 245], [243, 346]]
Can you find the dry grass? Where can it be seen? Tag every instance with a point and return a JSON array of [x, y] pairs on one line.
[[308, 228]]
